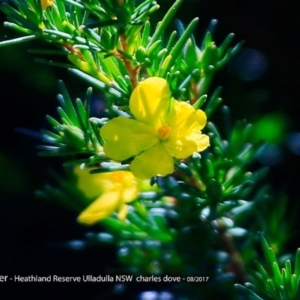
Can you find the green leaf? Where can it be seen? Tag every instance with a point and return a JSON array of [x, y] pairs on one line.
[[297, 264], [95, 82], [73, 136], [177, 49], [224, 47], [145, 34], [198, 104], [53, 63], [164, 23], [17, 40], [67, 104], [17, 28], [53, 122], [213, 102], [48, 151], [62, 10], [277, 273], [64, 117]]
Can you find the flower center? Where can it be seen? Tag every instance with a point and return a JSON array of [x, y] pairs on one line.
[[117, 177], [164, 132], [122, 179]]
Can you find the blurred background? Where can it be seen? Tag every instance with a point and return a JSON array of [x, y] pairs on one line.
[[259, 84]]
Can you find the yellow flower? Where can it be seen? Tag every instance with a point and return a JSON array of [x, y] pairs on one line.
[[163, 129], [46, 3], [111, 191]]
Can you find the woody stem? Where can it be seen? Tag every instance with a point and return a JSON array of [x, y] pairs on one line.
[[132, 72]]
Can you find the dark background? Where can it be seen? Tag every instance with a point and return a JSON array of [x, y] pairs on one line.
[[38, 237]]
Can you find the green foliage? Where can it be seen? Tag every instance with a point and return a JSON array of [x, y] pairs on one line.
[[115, 52], [201, 220], [270, 282], [75, 133]]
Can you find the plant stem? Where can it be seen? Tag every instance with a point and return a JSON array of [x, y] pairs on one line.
[[132, 72], [236, 264]]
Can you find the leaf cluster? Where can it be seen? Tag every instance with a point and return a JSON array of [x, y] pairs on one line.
[[204, 217], [109, 44], [271, 282]]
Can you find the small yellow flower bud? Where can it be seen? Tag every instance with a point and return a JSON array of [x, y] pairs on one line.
[[46, 3]]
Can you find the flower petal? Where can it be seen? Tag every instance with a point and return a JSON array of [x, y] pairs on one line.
[[186, 138], [129, 193], [201, 118], [183, 117], [150, 101], [181, 147], [202, 141], [125, 137], [103, 207], [92, 185], [154, 161], [123, 212], [89, 184], [185, 146]]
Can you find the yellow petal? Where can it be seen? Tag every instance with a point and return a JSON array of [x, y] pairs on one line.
[[185, 146], [181, 147], [46, 3], [186, 138], [184, 118], [92, 185], [89, 184], [129, 193], [103, 207], [150, 101], [201, 118], [125, 137], [202, 141], [123, 212], [154, 161], [120, 179]]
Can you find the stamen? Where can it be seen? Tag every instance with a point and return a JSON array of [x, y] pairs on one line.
[[164, 132], [117, 177]]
